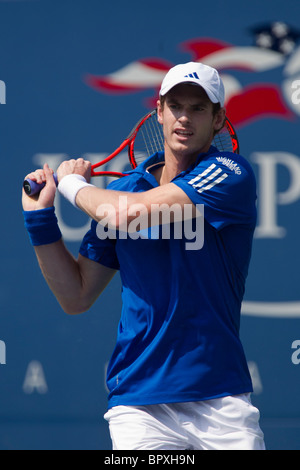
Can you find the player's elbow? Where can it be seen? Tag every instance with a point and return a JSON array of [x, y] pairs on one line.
[[72, 310], [75, 308]]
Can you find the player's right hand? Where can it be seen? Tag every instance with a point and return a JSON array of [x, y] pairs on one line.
[[45, 198]]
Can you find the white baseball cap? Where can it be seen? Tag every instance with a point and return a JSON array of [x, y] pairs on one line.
[[199, 74]]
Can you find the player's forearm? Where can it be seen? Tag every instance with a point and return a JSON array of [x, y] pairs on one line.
[[62, 274], [113, 206], [119, 209]]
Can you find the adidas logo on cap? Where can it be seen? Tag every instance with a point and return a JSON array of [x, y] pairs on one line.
[[192, 75]]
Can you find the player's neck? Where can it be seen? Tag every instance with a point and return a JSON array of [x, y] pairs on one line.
[[174, 165]]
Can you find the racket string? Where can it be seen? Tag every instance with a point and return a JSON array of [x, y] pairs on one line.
[[223, 142], [150, 140], [153, 136]]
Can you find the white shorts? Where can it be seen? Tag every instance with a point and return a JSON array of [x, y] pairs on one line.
[[229, 423]]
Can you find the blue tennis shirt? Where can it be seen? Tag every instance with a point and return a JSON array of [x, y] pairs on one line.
[[178, 336]]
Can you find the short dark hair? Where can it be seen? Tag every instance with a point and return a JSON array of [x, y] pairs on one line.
[[216, 106]]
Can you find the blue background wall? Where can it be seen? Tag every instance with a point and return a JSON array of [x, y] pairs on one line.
[[52, 387]]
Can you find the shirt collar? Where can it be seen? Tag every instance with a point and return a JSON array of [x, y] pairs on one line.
[[159, 157]]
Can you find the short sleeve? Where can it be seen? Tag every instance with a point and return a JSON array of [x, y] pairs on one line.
[[100, 251], [225, 184]]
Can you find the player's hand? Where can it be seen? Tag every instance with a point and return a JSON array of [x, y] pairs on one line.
[[77, 167], [45, 198]]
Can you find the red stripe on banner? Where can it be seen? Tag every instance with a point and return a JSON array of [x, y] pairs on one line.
[[105, 83], [102, 84], [204, 47], [157, 64], [256, 102]]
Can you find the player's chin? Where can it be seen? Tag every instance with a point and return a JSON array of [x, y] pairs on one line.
[[181, 143], [183, 146], [186, 148]]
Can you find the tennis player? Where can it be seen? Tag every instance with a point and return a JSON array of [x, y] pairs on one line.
[[178, 377]]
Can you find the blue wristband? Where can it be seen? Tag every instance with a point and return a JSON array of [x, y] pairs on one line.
[[42, 226]]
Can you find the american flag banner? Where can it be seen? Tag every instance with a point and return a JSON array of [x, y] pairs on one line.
[[274, 47]]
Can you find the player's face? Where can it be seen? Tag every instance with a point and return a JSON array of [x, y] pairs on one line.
[[188, 121]]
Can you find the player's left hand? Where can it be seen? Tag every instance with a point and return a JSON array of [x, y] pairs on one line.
[[45, 198], [75, 167]]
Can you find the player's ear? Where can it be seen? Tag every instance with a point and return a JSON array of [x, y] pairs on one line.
[[219, 119], [159, 112]]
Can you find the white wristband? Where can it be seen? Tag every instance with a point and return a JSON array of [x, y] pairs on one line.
[[70, 185]]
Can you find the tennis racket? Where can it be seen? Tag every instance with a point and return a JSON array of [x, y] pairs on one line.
[[145, 139]]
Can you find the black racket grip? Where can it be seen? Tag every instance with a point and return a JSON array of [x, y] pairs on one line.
[[31, 187]]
